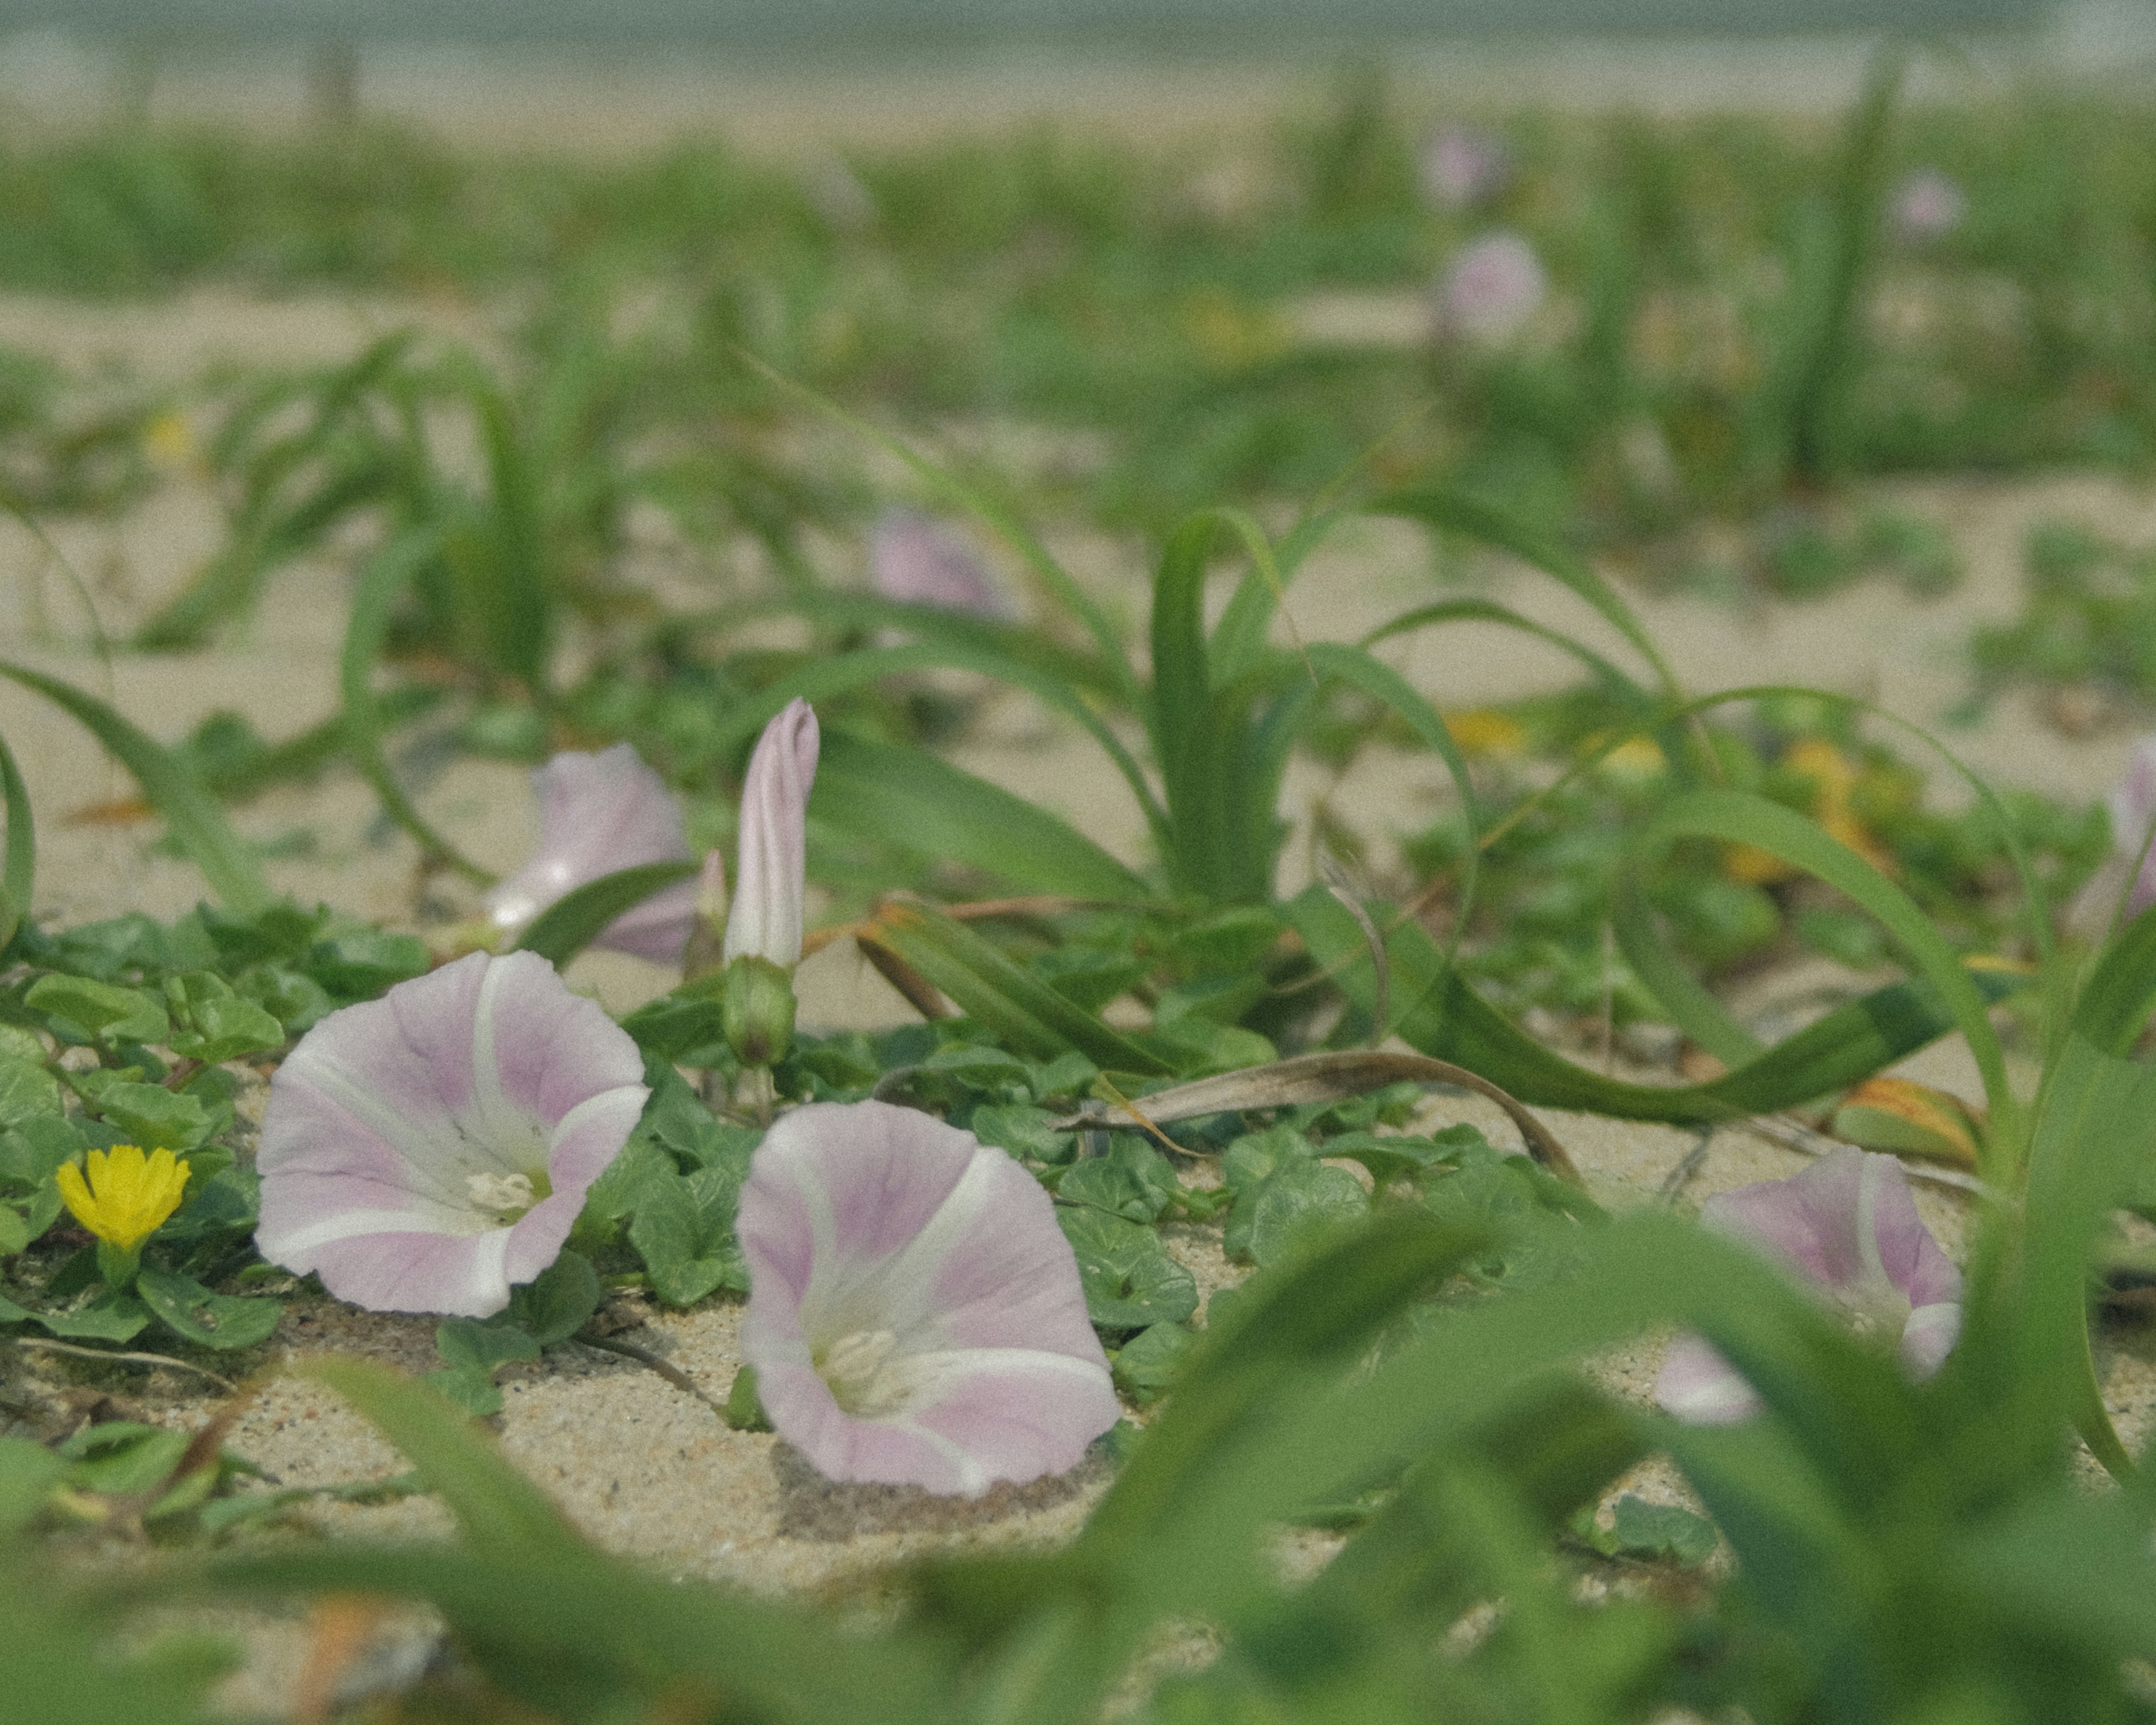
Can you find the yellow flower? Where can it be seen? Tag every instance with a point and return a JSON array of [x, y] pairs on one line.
[[170, 439], [127, 1196], [1485, 730]]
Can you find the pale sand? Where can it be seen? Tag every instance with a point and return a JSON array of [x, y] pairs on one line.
[[644, 1468]]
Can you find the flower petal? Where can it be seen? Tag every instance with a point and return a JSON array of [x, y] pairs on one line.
[[2132, 805], [866, 1219], [913, 560], [1701, 1388], [1850, 1214], [765, 922], [599, 814]]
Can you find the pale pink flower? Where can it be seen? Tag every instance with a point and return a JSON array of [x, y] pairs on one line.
[[1494, 285], [1849, 1227], [1463, 167], [2132, 813], [771, 876], [422, 1151], [914, 1315], [599, 814], [914, 560], [1927, 205]]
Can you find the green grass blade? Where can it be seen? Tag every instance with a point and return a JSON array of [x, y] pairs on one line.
[[987, 985], [380, 584], [575, 919], [1439, 1014], [1489, 611], [2115, 1001], [1454, 511], [1691, 1007], [954, 489], [18, 872], [170, 786], [1742, 817], [822, 678], [910, 798], [1185, 740]]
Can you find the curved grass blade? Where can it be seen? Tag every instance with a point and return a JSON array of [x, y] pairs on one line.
[[1441, 1016], [2115, 1001], [1454, 511], [1052, 573], [910, 798], [18, 872], [1691, 1008], [226, 862], [575, 919], [987, 986], [1472, 610], [384, 578], [1743, 817]]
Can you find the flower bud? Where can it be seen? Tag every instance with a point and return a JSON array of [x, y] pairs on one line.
[[756, 1010]]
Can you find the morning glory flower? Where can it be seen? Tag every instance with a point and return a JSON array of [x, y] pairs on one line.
[[914, 1315], [1462, 167], [1927, 205], [2133, 815], [1494, 285], [422, 1151], [121, 1195], [771, 877], [913, 560], [1849, 1227], [599, 814]]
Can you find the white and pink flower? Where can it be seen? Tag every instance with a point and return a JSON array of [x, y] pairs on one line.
[[2133, 818], [599, 813], [772, 864], [1491, 290], [915, 1314], [918, 562], [1927, 205], [1849, 1227], [1463, 167], [427, 1151]]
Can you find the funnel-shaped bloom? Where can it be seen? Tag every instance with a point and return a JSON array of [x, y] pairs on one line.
[[1462, 167], [1492, 288], [772, 871], [2133, 815], [599, 814], [914, 1315], [122, 1196], [1927, 205], [913, 560], [422, 1151], [1849, 1227]]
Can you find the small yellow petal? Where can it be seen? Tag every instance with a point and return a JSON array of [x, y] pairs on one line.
[[123, 1196], [74, 1194]]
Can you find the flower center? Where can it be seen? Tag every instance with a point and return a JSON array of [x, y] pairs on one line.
[[1874, 1308], [867, 1377], [505, 1197]]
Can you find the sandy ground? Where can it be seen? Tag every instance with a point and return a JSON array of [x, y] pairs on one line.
[[644, 1468]]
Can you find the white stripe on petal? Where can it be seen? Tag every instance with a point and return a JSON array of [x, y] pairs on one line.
[[349, 1224]]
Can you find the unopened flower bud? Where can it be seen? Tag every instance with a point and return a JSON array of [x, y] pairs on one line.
[[757, 1009]]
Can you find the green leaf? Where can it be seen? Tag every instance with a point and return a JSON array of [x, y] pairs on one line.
[[1146, 1366], [744, 1406], [472, 1351], [558, 1302], [359, 963], [215, 1024], [109, 1013], [122, 1458], [1662, 1532], [110, 1317], [148, 1114], [171, 786], [28, 1092], [1302, 1200], [1027, 1133], [1130, 1281], [1133, 1180], [910, 799], [683, 1230], [193, 1313], [576, 919]]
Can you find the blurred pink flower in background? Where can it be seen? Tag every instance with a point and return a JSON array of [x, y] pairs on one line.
[[1927, 205], [772, 864], [915, 1314], [918, 561], [1463, 167], [1493, 287], [2133, 815], [599, 814], [1847, 1226], [423, 1151]]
